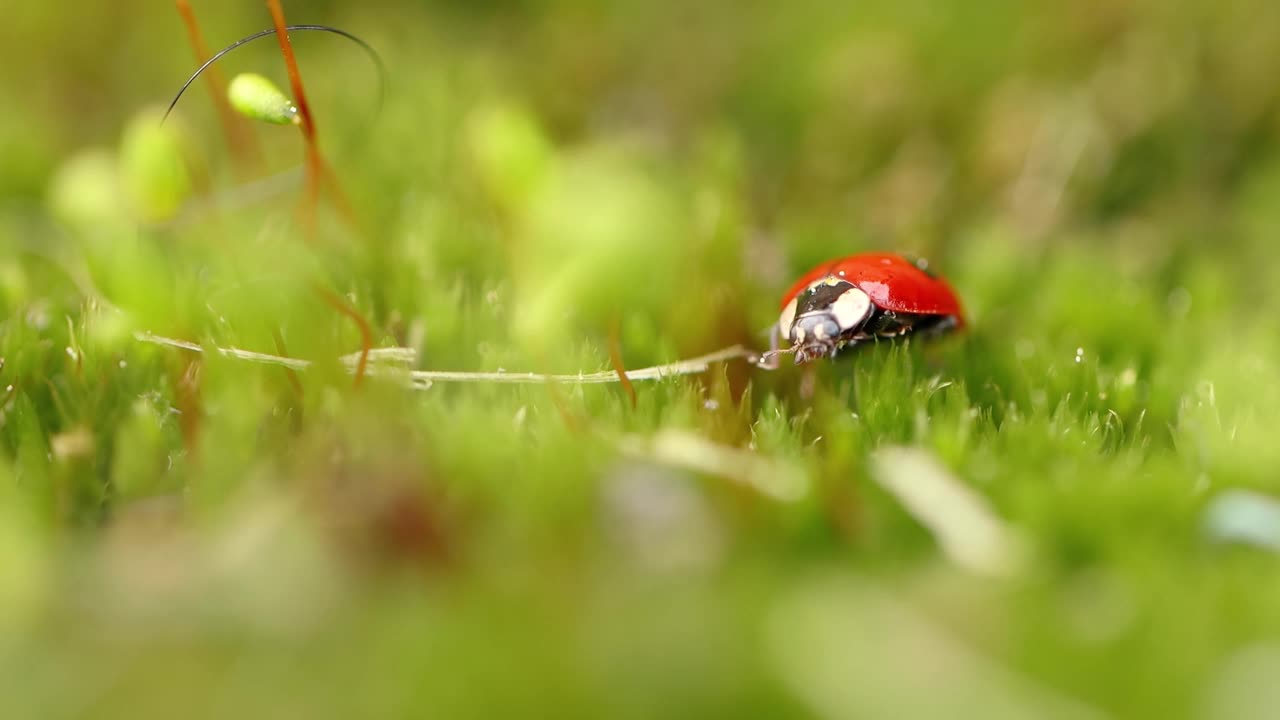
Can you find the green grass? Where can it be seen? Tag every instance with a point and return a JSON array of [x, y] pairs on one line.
[[206, 537]]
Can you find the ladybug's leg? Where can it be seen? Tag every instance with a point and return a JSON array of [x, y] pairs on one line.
[[884, 323], [931, 324]]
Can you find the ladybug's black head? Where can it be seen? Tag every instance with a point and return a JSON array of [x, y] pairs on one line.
[[824, 317]]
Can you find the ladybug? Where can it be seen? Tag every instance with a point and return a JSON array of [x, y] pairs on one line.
[[868, 296]]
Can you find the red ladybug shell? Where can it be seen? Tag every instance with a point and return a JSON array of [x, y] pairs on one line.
[[891, 281]]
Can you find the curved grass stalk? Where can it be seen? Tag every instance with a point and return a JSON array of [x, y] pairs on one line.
[[391, 362]]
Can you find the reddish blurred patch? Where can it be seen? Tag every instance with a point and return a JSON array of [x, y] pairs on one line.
[[186, 398], [381, 505]]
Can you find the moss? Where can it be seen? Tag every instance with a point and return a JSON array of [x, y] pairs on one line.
[[536, 185]]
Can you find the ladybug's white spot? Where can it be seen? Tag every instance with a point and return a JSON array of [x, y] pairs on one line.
[[829, 280], [851, 309], [787, 317]]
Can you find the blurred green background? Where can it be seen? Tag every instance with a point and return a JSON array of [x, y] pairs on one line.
[[198, 536]]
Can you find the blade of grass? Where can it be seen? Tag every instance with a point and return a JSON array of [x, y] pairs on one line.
[[381, 360]]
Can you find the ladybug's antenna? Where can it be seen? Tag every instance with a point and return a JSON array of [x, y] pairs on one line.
[[769, 360], [373, 54]]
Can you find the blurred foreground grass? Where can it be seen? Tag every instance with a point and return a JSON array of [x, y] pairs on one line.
[[199, 536]]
